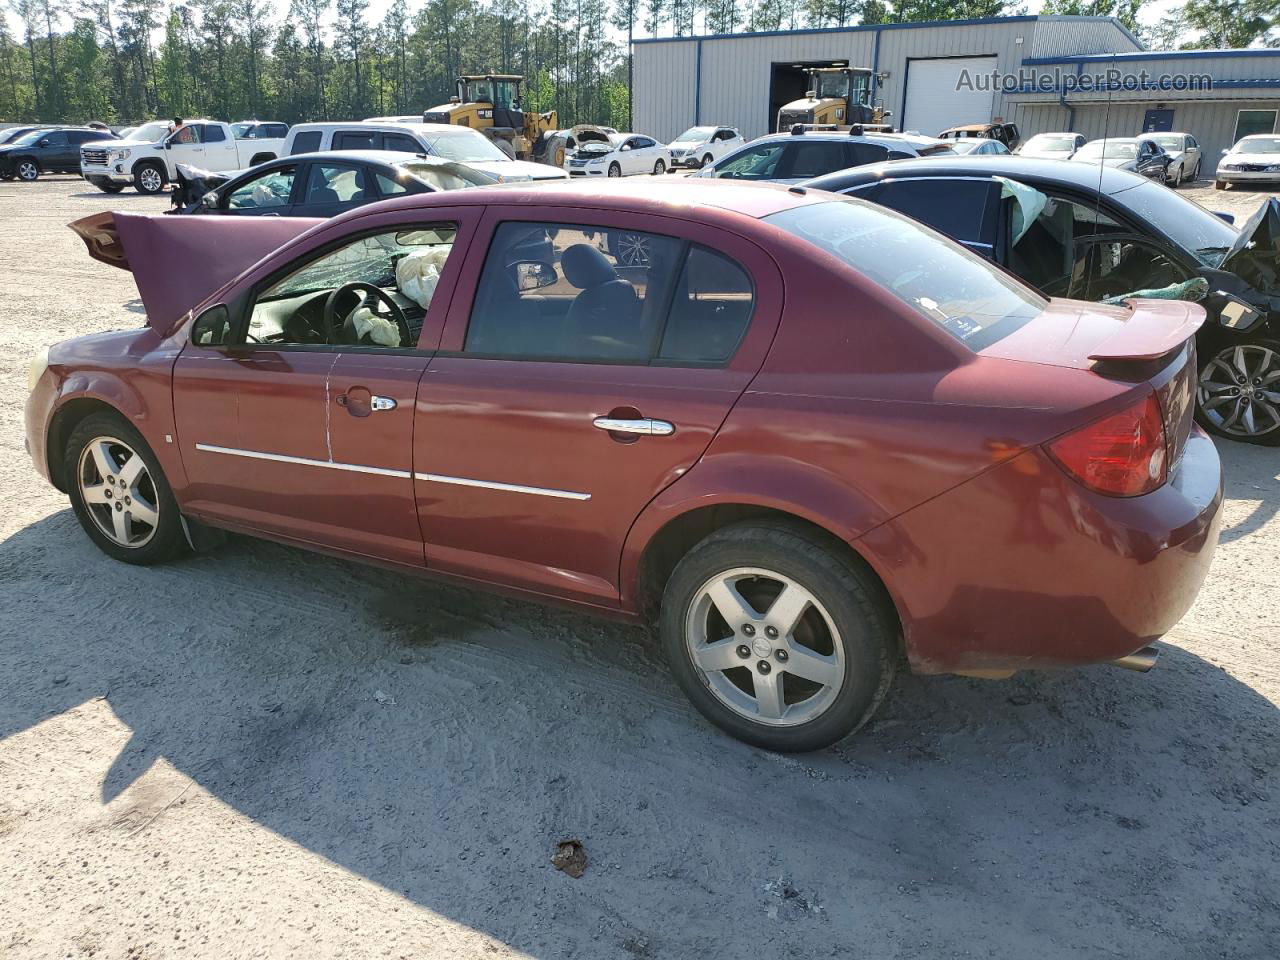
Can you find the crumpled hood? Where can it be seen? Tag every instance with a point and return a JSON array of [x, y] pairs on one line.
[[178, 262], [1255, 256]]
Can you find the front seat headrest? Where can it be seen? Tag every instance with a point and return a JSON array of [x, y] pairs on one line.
[[584, 266]]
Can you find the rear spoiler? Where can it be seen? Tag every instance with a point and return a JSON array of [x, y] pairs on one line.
[[1154, 328], [178, 262]]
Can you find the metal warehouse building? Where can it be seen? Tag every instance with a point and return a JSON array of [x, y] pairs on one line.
[[1085, 74]]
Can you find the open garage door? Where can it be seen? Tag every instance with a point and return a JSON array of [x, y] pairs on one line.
[[933, 103]]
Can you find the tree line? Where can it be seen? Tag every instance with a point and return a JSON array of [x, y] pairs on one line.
[[123, 61]]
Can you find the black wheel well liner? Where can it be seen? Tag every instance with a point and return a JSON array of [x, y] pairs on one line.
[[64, 422]]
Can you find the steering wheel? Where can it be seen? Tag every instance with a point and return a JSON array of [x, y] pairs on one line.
[[330, 318]]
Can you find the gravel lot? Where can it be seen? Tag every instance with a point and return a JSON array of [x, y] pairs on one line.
[[267, 753]]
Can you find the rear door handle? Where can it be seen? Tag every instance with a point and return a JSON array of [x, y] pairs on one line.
[[643, 426]]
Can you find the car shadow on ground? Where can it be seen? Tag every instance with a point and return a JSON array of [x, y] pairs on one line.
[[439, 742]]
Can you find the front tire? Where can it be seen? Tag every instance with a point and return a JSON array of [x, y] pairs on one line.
[[615, 170], [659, 168], [28, 171], [1219, 184], [819, 639], [707, 160], [149, 178], [119, 492], [1238, 392]]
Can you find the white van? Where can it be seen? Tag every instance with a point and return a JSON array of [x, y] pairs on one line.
[[443, 140]]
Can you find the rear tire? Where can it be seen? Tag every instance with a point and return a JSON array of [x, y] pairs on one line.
[[814, 672], [128, 510], [1219, 184], [1247, 411]]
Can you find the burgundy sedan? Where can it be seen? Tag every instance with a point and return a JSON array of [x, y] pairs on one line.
[[803, 434]]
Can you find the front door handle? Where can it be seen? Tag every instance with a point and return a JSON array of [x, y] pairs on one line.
[[642, 426]]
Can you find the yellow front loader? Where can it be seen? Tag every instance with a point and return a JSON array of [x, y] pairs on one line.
[[492, 104]]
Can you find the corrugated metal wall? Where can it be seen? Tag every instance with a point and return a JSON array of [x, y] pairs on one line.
[[736, 71], [1211, 123]]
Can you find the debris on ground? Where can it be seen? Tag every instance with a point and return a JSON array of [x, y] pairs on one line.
[[571, 857], [385, 699], [793, 903]]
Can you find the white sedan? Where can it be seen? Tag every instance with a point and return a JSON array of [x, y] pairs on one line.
[[625, 155], [1255, 158], [702, 146]]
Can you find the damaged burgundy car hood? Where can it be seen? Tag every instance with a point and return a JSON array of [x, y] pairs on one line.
[[177, 262]]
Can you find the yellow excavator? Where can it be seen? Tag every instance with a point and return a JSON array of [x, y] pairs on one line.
[[492, 104], [838, 98]]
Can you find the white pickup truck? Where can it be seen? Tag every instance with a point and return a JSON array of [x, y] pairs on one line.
[[149, 158]]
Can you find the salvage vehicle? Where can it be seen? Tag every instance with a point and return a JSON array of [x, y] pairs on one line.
[[1006, 133], [1253, 159], [624, 155], [1052, 146], [803, 154], [319, 185], [1184, 155], [1101, 234], [839, 97], [702, 146], [493, 104], [795, 498], [149, 158], [45, 150], [429, 139], [1135, 154]]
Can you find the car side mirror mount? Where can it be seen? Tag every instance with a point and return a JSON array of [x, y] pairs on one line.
[[43, 143], [212, 328], [1235, 314]]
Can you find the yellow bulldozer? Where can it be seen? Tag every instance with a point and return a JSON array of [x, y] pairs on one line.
[[492, 104], [838, 98]]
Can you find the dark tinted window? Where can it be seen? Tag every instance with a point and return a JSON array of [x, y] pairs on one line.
[[554, 291], [214, 134], [899, 155], [710, 310], [354, 140], [55, 137], [956, 207], [400, 141], [88, 136], [817, 157], [868, 153], [759, 162], [306, 142], [336, 183], [271, 130]]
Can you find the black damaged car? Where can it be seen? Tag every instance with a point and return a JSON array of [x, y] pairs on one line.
[[1100, 234]]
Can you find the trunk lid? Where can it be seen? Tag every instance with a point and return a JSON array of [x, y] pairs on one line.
[[178, 262], [1144, 343]]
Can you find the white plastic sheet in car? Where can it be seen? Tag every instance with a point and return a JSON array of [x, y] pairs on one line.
[[1028, 202]]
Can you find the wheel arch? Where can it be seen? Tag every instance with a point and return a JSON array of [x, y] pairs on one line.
[[261, 158], [148, 162], [80, 400], [22, 157], [651, 555]]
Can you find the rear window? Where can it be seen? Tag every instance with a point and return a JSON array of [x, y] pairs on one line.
[[965, 295]]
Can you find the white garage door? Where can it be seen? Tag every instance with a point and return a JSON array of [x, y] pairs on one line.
[[934, 103]]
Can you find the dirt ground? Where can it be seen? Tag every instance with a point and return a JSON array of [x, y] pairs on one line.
[[264, 753]]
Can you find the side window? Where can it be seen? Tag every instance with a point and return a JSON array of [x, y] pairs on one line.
[[401, 142], [1046, 255], [958, 208], [318, 303], [562, 292], [214, 134], [306, 142], [645, 142], [269, 190], [710, 310], [389, 187], [56, 138], [186, 134], [899, 155], [335, 183], [271, 131], [1191, 142], [355, 140], [817, 157], [868, 153], [753, 163], [86, 136], [1119, 267]]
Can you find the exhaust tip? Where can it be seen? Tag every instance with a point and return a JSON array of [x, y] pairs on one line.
[[1141, 660]]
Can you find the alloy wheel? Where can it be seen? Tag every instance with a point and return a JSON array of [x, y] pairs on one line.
[[150, 179], [28, 171], [633, 249], [765, 646], [118, 492], [615, 170], [659, 168], [1239, 390]]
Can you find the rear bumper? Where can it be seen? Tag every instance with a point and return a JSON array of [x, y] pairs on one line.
[[1022, 567]]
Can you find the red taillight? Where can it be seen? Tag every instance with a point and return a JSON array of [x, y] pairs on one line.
[[1123, 455]]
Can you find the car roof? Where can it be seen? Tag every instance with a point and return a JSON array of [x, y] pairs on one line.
[[708, 200], [1065, 173], [385, 124], [1055, 133]]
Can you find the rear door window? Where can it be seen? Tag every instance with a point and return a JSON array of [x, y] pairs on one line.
[[306, 142], [355, 140], [401, 142], [709, 311], [870, 153], [214, 133], [753, 163], [816, 157]]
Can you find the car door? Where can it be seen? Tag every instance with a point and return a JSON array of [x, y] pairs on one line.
[[1192, 154], [332, 187], [807, 158], [567, 394], [220, 151], [287, 430], [269, 193], [70, 162], [50, 149], [758, 161], [185, 146]]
